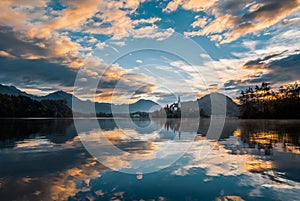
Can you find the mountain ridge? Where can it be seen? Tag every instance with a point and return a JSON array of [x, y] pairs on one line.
[[82, 106], [142, 105]]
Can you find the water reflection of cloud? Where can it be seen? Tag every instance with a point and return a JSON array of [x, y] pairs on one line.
[[46, 171], [230, 158], [54, 185], [229, 198], [73, 180], [33, 143], [131, 151], [218, 162], [273, 182]]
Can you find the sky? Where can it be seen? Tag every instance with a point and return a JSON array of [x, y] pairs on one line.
[[119, 51]]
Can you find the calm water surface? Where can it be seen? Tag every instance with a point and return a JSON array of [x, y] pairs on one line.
[[45, 159]]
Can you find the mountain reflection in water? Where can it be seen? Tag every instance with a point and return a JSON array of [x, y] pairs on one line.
[[45, 160]]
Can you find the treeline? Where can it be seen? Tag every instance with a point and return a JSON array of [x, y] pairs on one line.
[[184, 112], [22, 106], [263, 102]]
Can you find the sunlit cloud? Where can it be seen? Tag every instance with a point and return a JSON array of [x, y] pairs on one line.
[[6, 54], [230, 23], [193, 5]]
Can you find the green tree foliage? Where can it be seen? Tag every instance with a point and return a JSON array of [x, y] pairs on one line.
[[262, 102], [22, 106]]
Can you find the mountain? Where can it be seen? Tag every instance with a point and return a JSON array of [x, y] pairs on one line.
[[84, 106], [58, 95], [11, 90], [232, 109], [143, 105]]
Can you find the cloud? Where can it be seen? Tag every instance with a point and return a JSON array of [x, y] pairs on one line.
[[40, 24], [222, 23], [153, 32], [173, 5], [21, 72], [250, 44], [116, 83], [10, 42], [277, 68], [76, 13], [289, 21], [282, 70], [232, 19], [113, 19], [118, 43], [100, 45], [58, 49], [151, 20], [193, 5], [200, 22], [260, 62], [220, 161], [6, 54], [119, 85]]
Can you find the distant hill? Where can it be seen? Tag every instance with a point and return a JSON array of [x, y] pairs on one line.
[[57, 95], [11, 90], [84, 106], [203, 107], [143, 105], [232, 108], [204, 103]]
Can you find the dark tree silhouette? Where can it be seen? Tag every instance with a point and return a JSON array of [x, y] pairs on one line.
[[262, 102], [22, 106]]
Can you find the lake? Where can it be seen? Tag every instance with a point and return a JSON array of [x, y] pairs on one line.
[[58, 159]]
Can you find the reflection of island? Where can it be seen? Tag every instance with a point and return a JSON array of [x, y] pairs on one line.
[[174, 125]]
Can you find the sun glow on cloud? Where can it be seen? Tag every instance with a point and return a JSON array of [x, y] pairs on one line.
[[64, 36]]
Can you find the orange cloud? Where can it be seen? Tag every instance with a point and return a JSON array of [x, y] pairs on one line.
[[75, 15], [33, 23], [6, 54], [229, 26], [218, 25], [194, 5], [200, 22]]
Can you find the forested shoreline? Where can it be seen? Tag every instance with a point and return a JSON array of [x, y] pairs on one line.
[[259, 102], [22, 106], [262, 102]]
